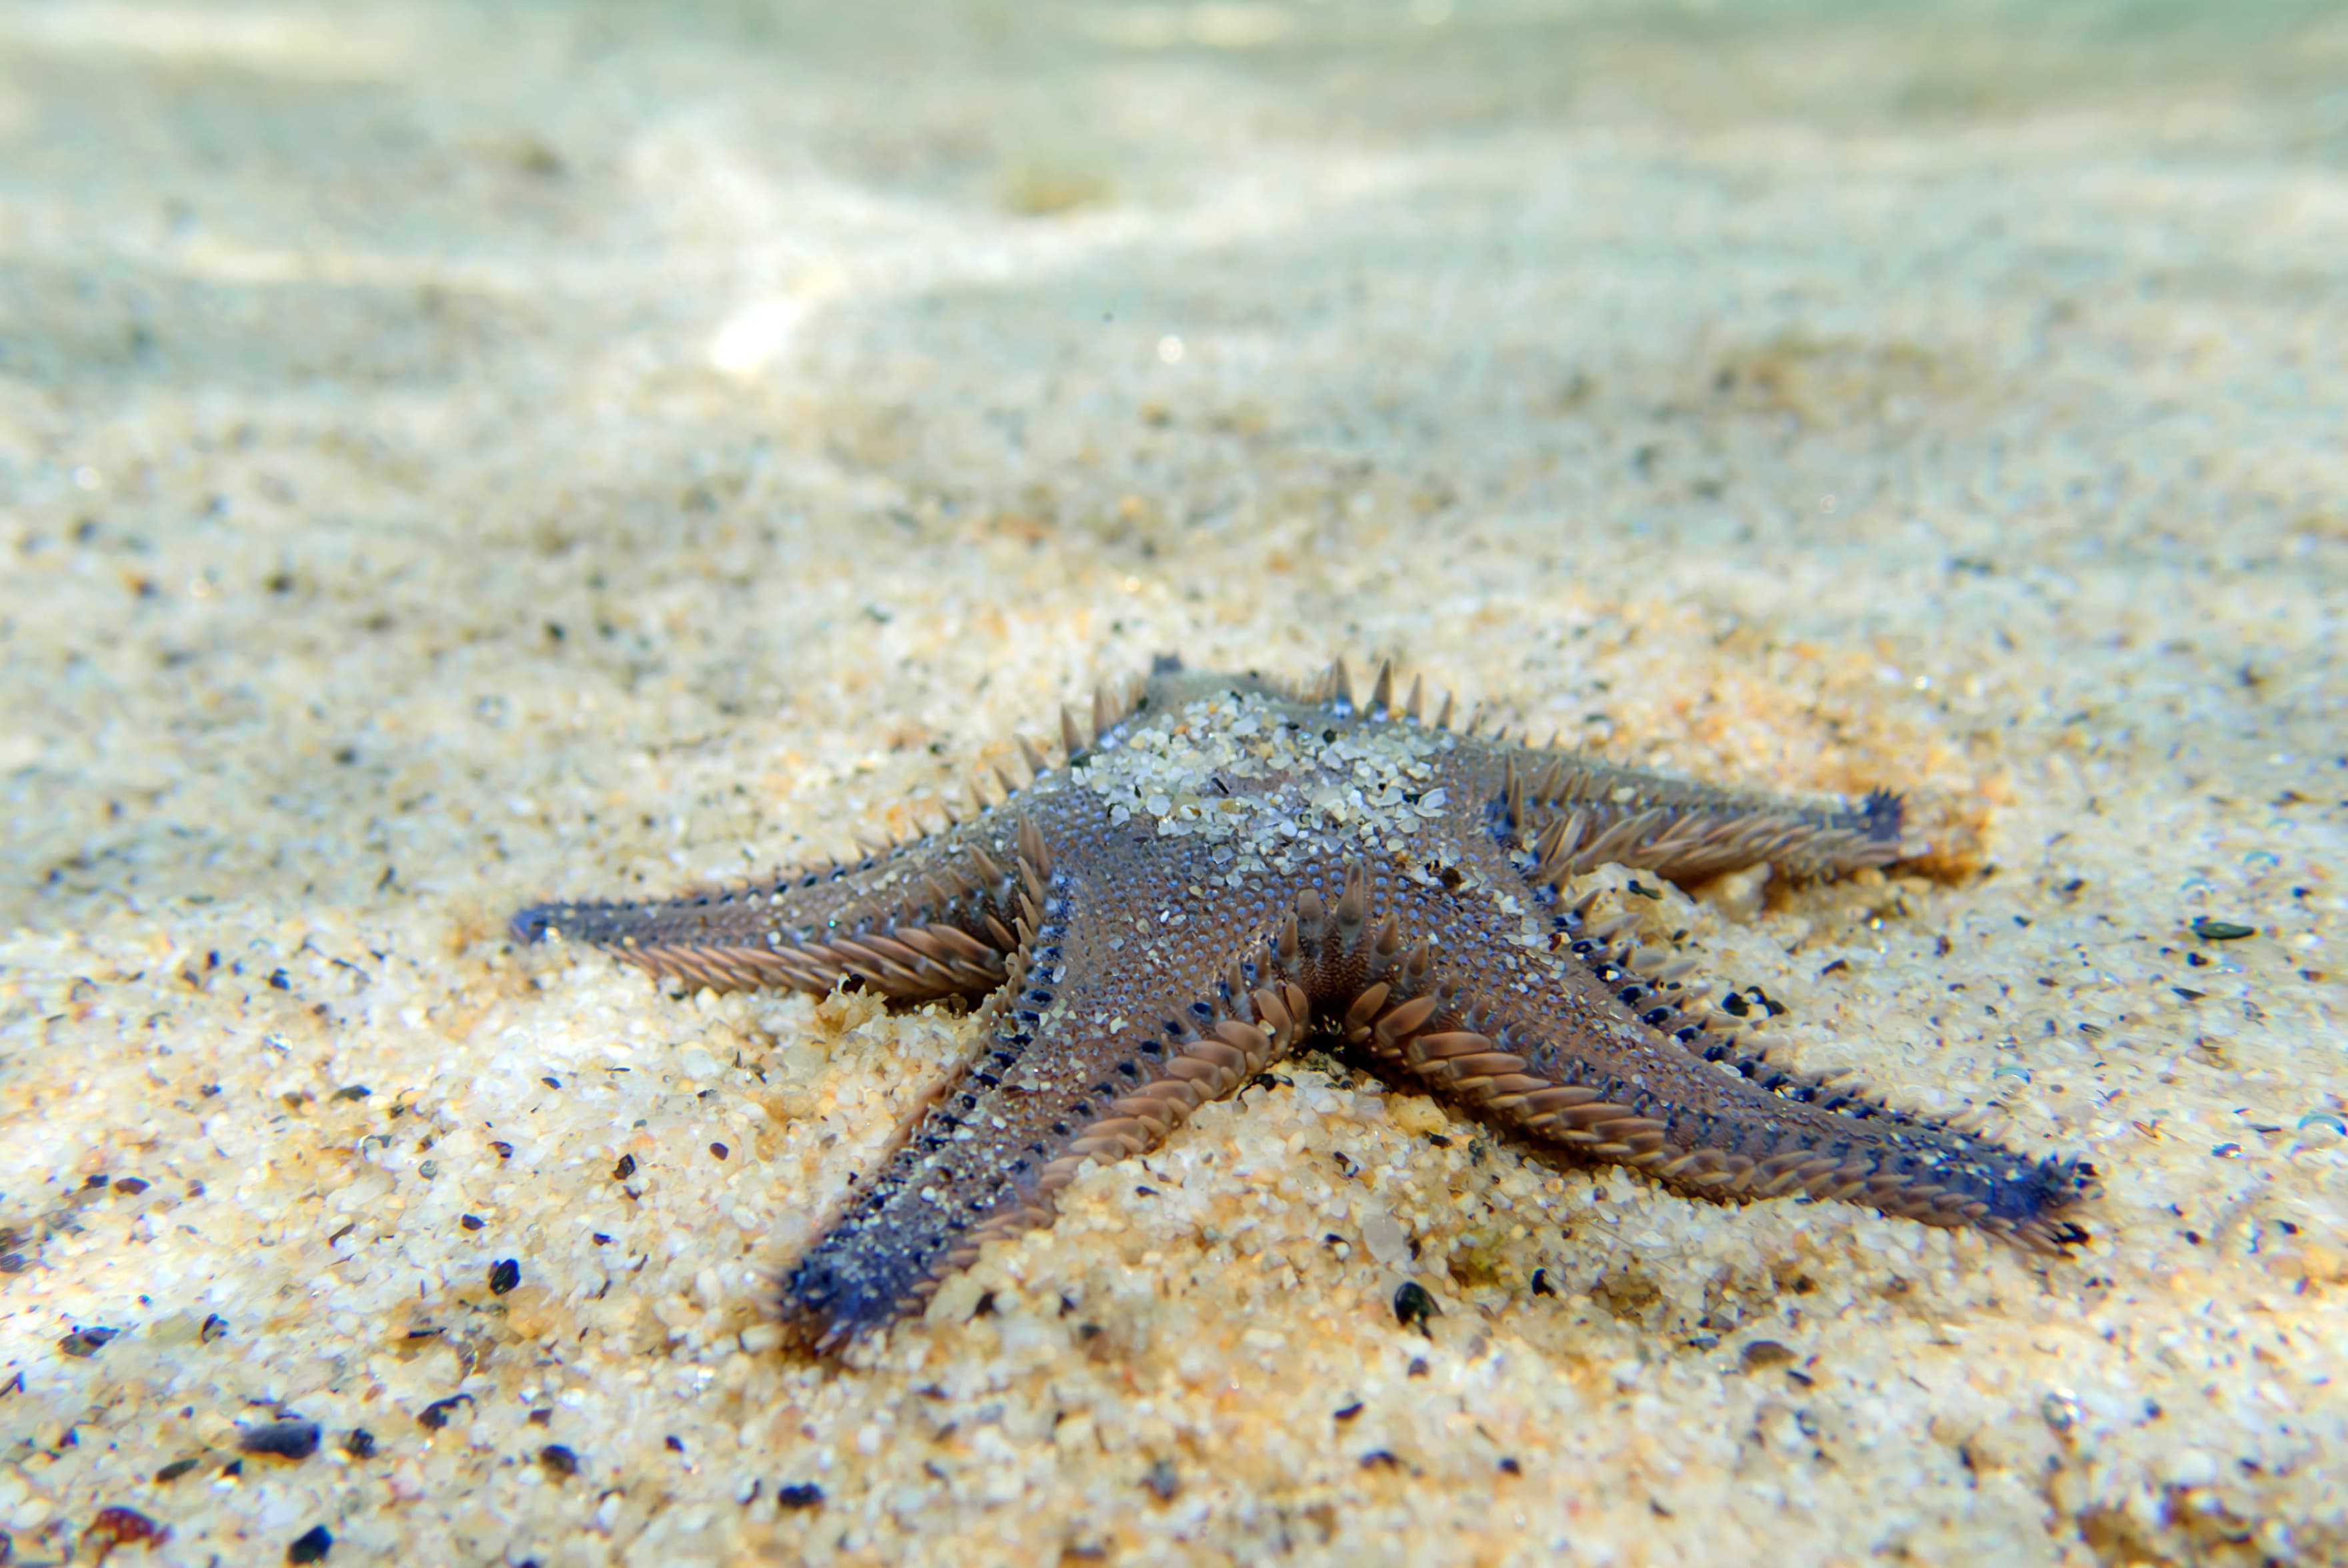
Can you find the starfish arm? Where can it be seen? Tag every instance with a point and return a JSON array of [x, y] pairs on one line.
[[1573, 1046], [1708, 1114], [1584, 812], [1577, 813], [1104, 1041], [928, 918]]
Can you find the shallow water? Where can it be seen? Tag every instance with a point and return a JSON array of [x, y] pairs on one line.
[[453, 457]]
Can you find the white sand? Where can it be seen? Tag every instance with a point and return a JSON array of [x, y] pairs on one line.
[[448, 462]]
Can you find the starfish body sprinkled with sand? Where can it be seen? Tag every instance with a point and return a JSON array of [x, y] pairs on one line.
[[1218, 867]]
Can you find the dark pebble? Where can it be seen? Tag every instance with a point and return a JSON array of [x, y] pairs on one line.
[[175, 1469], [435, 1416], [292, 1438], [625, 1169], [310, 1546], [798, 1494], [1764, 1353], [504, 1274], [84, 1343], [558, 1459], [360, 1444], [1413, 1305], [2210, 930]]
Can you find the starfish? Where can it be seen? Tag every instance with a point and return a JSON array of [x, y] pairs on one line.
[[1217, 867]]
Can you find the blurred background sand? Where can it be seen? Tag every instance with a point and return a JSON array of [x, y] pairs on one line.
[[452, 456]]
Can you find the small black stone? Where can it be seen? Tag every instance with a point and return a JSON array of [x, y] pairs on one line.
[[292, 1438], [558, 1459], [1413, 1305], [310, 1546], [360, 1443], [504, 1274], [798, 1494], [175, 1469], [435, 1416], [2210, 930], [625, 1169], [84, 1343]]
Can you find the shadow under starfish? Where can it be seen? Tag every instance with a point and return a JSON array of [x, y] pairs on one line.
[[1220, 867]]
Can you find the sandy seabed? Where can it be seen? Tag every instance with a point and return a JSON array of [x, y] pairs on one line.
[[456, 456]]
